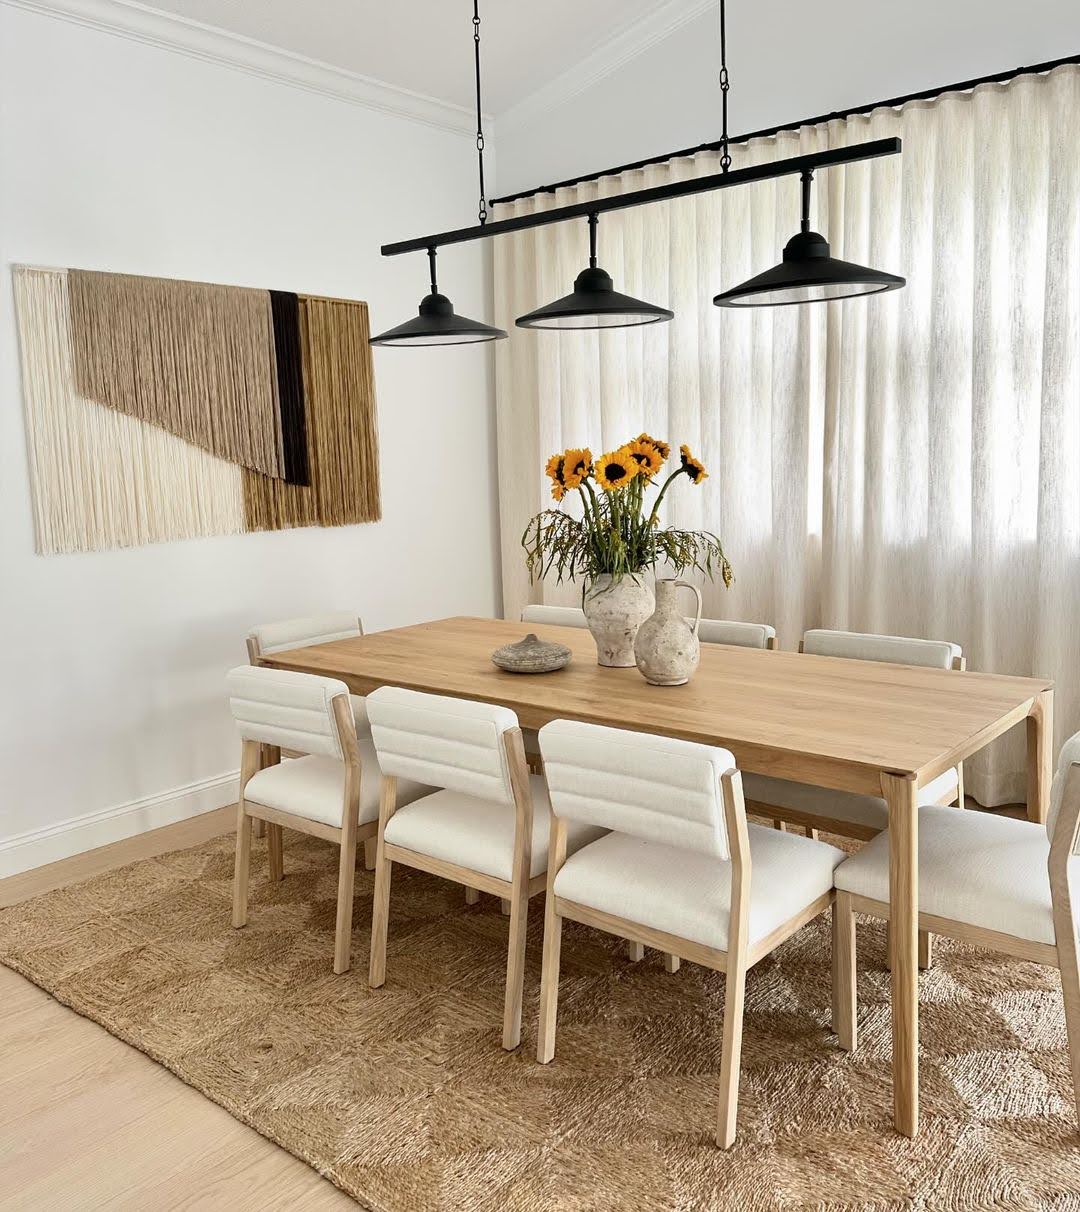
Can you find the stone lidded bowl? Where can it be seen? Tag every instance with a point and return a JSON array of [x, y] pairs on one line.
[[531, 655]]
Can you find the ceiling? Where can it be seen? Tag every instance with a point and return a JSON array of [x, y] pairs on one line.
[[426, 45]]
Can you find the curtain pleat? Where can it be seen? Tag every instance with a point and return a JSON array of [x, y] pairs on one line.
[[908, 463]]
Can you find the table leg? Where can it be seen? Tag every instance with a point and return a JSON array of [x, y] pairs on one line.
[[900, 796], [1040, 755]]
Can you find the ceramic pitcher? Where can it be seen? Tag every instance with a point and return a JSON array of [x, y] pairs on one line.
[[666, 646]]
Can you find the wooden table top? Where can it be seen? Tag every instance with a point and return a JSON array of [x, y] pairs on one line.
[[824, 720]]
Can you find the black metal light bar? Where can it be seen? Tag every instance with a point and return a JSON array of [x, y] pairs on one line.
[[766, 132], [658, 193]]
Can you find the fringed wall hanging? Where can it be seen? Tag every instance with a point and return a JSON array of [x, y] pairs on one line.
[[160, 410]]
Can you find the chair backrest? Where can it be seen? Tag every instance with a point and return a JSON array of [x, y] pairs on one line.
[[555, 616], [653, 787], [895, 649], [302, 633], [445, 742], [1069, 756], [289, 710], [742, 635]]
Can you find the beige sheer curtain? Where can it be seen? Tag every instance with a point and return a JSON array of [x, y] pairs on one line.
[[905, 464]]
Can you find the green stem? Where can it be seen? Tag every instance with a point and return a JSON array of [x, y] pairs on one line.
[[656, 504]]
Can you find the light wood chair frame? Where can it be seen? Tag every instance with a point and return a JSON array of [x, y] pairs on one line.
[[812, 824], [256, 757], [1062, 954], [517, 890], [735, 962], [273, 755]]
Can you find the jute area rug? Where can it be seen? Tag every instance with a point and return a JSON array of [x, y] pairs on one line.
[[403, 1097]]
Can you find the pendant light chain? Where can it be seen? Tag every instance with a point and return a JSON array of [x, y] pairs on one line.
[[725, 88], [483, 212]]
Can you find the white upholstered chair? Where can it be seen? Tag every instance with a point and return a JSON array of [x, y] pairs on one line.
[[846, 813], [994, 881], [268, 638], [739, 635], [331, 791], [682, 870], [303, 633], [486, 828], [555, 616]]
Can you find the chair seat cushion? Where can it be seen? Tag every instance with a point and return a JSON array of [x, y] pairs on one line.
[[869, 810], [687, 894], [314, 787], [477, 833], [974, 867]]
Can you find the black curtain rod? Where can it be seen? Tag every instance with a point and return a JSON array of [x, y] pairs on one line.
[[838, 115]]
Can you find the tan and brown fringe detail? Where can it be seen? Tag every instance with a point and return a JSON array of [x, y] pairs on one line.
[[193, 358], [289, 358], [99, 478], [341, 428]]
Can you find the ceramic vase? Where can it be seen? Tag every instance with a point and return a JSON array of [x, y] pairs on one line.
[[666, 647], [614, 610]]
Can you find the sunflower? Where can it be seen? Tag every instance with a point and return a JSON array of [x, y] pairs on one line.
[[646, 456], [694, 468], [615, 469], [662, 448], [577, 463]]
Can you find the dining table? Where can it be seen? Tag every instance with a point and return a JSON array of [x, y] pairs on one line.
[[860, 726]]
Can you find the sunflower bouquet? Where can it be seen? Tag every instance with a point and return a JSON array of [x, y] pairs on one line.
[[619, 531]]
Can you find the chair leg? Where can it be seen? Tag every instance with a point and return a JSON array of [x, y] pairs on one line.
[[515, 967], [926, 949], [243, 867], [380, 917], [472, 896], [810, 832], [346, 876], [636, 952], [258, 826], [844, 973], [731, 1060], [1070, 993], [275, 852], [549, 983], [671, 962], [371, 848], [779, 825], [504, 906]]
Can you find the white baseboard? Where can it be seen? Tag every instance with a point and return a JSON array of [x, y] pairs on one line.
[[37, 847]]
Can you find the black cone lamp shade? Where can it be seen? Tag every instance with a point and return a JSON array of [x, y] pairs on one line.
[[594, 302], [808, 274], [438, 324]]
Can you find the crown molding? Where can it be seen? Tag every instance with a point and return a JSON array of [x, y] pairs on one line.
[[624, 45], [166, 31]]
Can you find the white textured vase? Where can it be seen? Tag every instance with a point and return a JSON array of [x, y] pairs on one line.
[[614, 610], [666, 647]]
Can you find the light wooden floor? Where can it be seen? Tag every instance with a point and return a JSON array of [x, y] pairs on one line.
[[87, 1122]]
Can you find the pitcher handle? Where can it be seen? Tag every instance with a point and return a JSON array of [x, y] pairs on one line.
[[697, 594]]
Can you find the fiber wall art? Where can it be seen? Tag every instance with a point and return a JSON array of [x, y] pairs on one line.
[[159, 409]]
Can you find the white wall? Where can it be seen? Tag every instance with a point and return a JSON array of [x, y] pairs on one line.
[[116, 155], [787, 61]]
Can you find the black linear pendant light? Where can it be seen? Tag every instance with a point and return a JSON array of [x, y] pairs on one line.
[[808, 273], [437, 323], [594, 302]]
